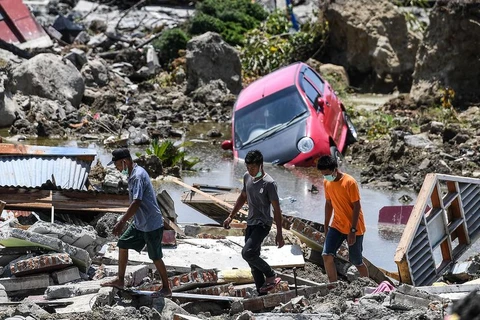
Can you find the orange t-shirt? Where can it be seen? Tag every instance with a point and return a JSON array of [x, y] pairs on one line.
[[343, 194]]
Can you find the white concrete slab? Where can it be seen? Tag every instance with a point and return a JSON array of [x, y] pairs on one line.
[[222, 254]]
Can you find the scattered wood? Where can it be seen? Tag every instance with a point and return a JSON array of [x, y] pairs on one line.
[[15, 50]]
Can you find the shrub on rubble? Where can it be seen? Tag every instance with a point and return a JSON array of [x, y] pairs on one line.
[[273, 45], [229, 18], [169, 44]]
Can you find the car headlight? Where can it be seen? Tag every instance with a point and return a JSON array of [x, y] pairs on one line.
[[305, 144]]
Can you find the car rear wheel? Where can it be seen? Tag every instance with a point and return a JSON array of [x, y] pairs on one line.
[[336, 154], [352, 132]]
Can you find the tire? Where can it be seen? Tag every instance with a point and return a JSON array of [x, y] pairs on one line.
[[337, 155], [352, 135]]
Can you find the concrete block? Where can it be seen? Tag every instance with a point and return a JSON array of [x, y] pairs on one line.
[[402, 301], [134, 275], [253, 304], [39, 264], [66, 275], [12, 237], [39, 281], [77, 236], [3, 294], [72, 290], [272, 300]]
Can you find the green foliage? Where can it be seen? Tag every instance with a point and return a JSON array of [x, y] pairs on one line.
[[277, 23], [169, 43], [171, 155], [413, 22], [202, 23], [229, 18], [446, 100], [270, 47]]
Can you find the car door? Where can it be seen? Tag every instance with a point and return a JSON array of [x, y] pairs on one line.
[[333, 118]]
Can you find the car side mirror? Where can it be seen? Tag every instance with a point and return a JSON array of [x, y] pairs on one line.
[[227, 145]]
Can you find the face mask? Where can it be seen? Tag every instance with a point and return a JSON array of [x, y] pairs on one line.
[[259, 174], [330, 177], [124, 171]]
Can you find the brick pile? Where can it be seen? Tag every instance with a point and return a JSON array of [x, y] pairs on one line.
[[42, 263]]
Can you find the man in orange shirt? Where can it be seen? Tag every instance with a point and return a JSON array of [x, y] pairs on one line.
[[342, 198]]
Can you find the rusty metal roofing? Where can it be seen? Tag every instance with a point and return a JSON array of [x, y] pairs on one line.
[[33, 166]]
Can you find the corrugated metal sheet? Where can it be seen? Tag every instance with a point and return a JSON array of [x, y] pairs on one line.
[[32, 166]]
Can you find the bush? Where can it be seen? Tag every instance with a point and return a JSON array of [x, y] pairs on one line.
[[272, 46], [229, 18], [169, 43], [202, 23]]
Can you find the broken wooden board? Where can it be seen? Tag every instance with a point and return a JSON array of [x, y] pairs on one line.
[[215, 205], [220, 254], [130, 293], [453, 292]]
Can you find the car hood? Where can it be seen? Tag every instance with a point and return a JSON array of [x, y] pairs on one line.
[[280, 147]]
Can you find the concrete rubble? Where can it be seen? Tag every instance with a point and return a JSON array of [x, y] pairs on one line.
[[53, 280]]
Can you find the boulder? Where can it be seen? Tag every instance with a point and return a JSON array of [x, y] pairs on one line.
[[8, 106], [48, 76], [371, 38], [209, 58], [95, 73], [448, 55]]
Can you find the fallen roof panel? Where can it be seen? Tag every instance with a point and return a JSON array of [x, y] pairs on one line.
[[33, 166]]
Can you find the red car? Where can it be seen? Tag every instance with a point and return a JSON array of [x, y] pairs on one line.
[[292, 116]]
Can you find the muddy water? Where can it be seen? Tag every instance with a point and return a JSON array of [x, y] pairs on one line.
[[218, 168]]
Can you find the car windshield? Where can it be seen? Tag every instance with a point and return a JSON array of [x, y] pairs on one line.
[[268, 115]]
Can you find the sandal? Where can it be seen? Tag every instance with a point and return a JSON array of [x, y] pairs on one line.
[[269, 286]]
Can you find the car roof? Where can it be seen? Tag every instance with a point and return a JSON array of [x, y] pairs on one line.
[[269, 84]]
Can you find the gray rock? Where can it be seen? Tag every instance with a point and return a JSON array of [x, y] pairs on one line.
[[28, 308], [167, 308], [3, 294], [8, 106], [453, 25], [82, 38], [371, 37], [46, 75], [95, 73], [418, 141], [77, 57], [209, 58]]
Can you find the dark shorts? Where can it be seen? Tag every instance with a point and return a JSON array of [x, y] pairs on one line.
[[334, 241], [136, 240]]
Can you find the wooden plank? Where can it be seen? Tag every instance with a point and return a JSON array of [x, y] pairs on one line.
[[416, 216], [300, 281], [206, 195], [206, 297], [66, 200], [170, 225], [455, 288], [2, 205]]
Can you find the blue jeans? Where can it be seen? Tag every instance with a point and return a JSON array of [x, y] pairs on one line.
[[335, 239], [254, 236]]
